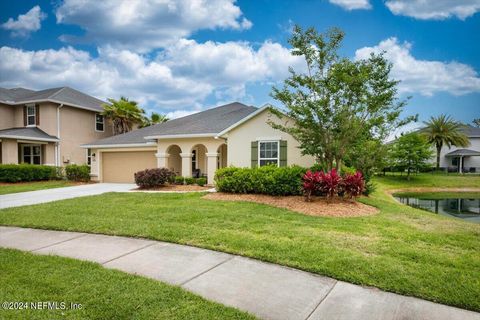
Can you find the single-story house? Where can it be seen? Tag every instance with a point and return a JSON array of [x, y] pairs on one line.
[[197, 145]]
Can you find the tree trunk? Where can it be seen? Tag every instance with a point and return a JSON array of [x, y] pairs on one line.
[[338, 164], [439, 148]]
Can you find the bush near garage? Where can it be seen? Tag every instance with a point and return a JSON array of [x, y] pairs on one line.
[[76, 172], [151, 178]]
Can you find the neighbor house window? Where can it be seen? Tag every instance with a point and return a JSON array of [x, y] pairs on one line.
[[32, 154], [31, 115], [268, 153], [99, 122]]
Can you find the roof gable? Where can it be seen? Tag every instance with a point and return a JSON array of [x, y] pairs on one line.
[[206, 123], [64, 95]]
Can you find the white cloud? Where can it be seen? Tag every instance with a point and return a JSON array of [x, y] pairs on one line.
[[180, 113], [147, 24], [230, 63], [25, 23], [434, 9], [180, 78], [352, 4], [424, 76]]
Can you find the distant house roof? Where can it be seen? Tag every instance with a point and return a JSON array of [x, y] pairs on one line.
[[64, 95], [471, 131], [206, 123], [28, 133], [463, 152]]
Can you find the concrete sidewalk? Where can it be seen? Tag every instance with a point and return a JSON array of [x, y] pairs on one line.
[[269, 291], [49, 195]]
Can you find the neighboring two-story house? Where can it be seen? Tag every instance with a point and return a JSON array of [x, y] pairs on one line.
[[48, 126], [465, 160]]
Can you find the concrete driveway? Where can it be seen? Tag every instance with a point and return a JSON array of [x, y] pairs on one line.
[[49, 195]]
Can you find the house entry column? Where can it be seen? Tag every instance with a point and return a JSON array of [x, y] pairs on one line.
[[186, 164], [162, 159], [211, 166]]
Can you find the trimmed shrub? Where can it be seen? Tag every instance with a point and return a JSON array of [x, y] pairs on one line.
[[179, 180], [270, 180], [76, 172], [353, 184], [189, 181], [171, 179], [202, 181], [28, 172], [151, 178]]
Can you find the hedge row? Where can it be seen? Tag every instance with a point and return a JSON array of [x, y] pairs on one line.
[[34, 172], [28, 172], [278, 181]]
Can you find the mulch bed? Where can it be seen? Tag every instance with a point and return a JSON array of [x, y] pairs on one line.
[[177, 187], [318, 207]]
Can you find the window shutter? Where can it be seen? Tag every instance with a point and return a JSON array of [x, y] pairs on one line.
[[254, 154], [37, 114], [24, 116], [283, 153]]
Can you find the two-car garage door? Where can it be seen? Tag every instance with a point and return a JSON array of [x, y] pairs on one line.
[[121, 166]]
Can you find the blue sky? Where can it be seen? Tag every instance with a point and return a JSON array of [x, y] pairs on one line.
[[178, 57]]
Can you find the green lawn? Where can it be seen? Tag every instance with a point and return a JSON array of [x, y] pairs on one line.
[[439, 195], [103, 293], [440, 180], [401, 249], [32, 186]]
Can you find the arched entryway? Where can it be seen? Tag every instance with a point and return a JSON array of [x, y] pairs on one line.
[[174, 159], [222, 160], [199, 161]]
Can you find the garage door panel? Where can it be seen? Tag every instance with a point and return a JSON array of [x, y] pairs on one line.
[[121, 166]]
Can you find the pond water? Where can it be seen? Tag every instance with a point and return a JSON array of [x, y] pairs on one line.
[[466, 207]]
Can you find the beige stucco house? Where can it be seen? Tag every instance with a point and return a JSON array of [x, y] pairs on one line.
[[197, 145], [49, 126]]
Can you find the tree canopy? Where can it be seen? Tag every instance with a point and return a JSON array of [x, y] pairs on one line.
[[336, 103], [154, 118], [410, 152], [126, 113]]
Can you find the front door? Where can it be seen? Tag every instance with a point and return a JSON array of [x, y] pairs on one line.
[[31, 153]]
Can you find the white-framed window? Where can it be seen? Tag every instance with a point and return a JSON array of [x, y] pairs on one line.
[[89, 157], [31, 153], [99, 122], [31, 115], [268, 153]]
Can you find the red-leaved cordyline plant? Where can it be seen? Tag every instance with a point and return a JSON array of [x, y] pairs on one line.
[[330, 183], [311, 182], [354, 184]]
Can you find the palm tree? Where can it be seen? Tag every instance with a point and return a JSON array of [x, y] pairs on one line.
[[443, 130], [124, 114], [476, 122], [153, 119]]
